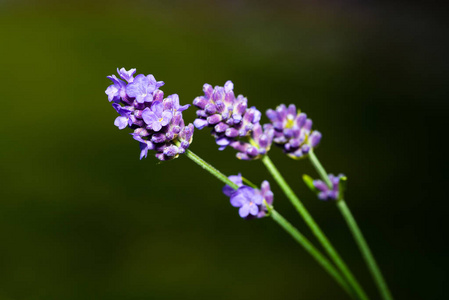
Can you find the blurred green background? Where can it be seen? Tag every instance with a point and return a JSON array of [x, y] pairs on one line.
[[81, 217]]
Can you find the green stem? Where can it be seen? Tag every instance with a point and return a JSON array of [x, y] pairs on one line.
[[319, 168], [206, 166], [314, 227], [364, 248], [356, 233], [321, 259], [303, 241]]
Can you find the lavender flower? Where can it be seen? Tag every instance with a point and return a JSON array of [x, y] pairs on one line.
[[227, 115], [293, 131], [231, 120], [249, 200], [157, 122], [326, 193], [156, 116], [143, 87]]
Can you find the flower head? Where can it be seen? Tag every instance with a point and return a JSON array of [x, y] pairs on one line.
[[326, 193], [233, 123], [293, 130], [251, 201], [227, 115], [157, 122]]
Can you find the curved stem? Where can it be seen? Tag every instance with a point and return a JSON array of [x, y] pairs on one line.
[[356, 233], [366, 252], [321, 259], [314, 227], [206, 166], [319, 168]]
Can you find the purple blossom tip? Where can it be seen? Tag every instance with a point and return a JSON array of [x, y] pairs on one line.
[[157, 122], [230, 120], [250, 201], [293, 131], [325, 192]]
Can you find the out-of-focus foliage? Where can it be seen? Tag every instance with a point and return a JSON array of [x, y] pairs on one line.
[[82, 218]]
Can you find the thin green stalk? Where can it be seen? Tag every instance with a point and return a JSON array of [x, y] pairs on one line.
[[320, 258], [319, 168], [314, 227], [366, 252], [303, 241], [206, 166], [356, 233]]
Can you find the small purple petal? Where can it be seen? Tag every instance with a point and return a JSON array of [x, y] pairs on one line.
[[253, 209], [166, 118], [121, 122], [200, 123], [244, 211]]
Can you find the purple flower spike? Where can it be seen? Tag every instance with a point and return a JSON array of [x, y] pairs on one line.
[[249, 200], [156, 117], [324, 192], [157, 122], [230, 120], [293, 131]]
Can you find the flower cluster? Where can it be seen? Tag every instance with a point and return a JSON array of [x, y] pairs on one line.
[[293, 131], [252, 202], [157, 121], [230, 119], [326, 193]]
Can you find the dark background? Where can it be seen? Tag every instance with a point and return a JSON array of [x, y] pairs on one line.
[[81, 217]]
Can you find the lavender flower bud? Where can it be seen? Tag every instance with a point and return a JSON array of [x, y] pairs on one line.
[[315, 139], [231, 132], [200, 123], [158, 138], [324, 192], [214, 119], [210, 109], [200, 102], [208, 90], [221, 127]]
